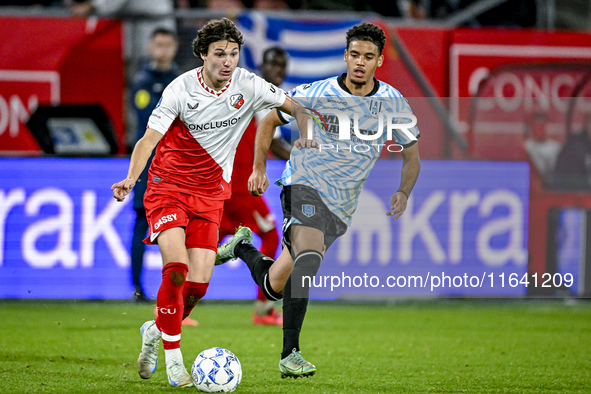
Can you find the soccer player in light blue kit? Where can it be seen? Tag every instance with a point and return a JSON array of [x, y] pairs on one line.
[[355, 115]]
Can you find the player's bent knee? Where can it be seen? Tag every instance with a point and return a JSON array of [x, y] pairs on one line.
[[177, 278], [307, 262], [306, 265], [176, 273]]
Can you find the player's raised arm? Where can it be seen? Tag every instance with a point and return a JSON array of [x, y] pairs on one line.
[[139, 157], [410, 171], [258, 182], [303, 118]]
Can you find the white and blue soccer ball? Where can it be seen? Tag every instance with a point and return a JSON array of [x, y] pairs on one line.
[[216, 370]]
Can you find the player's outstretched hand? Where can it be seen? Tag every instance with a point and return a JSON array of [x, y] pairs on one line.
[[398, 204], [302, 143], [258, 183], [122, 189]]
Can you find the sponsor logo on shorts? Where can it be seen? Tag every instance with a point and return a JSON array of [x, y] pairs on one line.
[[164, 219], [308, 210]]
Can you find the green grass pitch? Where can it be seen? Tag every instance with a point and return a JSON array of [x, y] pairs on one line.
[[440, 346]]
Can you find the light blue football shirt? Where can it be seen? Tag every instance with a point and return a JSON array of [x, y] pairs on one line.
[[339, 167]]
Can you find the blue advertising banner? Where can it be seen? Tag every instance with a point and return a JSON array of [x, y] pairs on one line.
[[63, 235], [464, 233]]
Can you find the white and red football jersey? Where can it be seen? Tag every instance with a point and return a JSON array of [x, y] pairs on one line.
[[202, 128]]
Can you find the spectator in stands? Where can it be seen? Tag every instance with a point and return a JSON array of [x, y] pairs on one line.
[[541, 149], [573, 166], [27, 3], [384, 8], [510, 13], [243, 4], [433, 9], [146, 90], [191, 3]]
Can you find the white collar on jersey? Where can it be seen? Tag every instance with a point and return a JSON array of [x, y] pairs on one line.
[[210, 90]]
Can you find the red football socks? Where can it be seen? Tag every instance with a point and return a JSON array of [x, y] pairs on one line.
[[169, 303], [192, 293]]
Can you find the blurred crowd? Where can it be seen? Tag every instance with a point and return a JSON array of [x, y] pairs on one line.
[[560, 166], [510, 13], [562, 14], [144, 17]]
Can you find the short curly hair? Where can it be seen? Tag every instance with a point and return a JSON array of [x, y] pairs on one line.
[[367, 32], [216, 30]]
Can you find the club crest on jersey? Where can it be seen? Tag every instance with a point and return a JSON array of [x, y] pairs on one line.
[[236, 101], [308, 210], [375, 107], [194, 106]]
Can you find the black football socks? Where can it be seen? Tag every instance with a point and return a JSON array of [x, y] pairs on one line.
[[295, 298], [259, 265]]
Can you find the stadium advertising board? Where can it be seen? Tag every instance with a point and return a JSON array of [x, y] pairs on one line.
[[463, 229], [516, 73], [63, 235], [56, 63]]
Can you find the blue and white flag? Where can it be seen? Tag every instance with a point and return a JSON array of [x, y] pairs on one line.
[[315, 47]]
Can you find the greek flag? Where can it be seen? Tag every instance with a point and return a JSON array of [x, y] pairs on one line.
[[315, 47]]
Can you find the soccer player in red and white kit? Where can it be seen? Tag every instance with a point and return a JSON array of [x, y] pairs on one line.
[[197, 126]]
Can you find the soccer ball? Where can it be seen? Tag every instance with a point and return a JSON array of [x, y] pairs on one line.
[[216, 370]]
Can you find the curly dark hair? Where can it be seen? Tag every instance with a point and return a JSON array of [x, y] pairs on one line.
[[367, 32], [216, 30]]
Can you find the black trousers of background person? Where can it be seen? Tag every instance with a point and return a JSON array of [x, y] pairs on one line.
[[138, 247]]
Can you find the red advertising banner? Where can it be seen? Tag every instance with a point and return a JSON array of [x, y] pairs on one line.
[[427, 49], [517, 91], [515, 97], [57, 61]]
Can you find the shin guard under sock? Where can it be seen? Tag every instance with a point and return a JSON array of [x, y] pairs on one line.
[[169, 303], [192, 293]]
